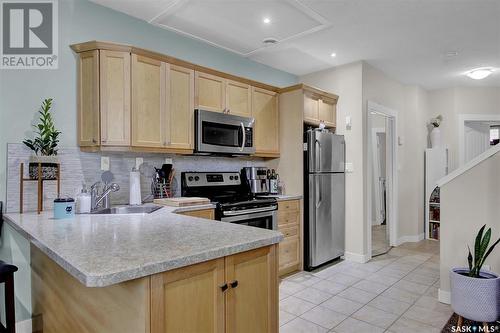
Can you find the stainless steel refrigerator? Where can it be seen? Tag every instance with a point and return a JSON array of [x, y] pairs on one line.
[[324, 189]]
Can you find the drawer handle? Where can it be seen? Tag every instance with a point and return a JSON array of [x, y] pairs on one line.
[[233, 284], [224, 287]]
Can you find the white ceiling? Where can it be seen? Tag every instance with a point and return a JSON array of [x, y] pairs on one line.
[[406, 39]]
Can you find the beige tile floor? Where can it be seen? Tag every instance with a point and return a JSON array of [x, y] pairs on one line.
[[395, 292]]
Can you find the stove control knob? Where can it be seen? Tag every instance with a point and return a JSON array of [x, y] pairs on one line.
[[236, 177], [190, 178], [196, 178], [231, 177]]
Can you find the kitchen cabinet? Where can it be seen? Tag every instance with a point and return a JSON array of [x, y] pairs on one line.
[[162, 104], [237, 293], [203, 213], [266, 128], [88, 99], [214, 93], [114, 75], [289, 225], [327, 111], [311, 107], [148, 102]]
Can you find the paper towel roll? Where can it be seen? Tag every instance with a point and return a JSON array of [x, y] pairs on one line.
[[135, 188]]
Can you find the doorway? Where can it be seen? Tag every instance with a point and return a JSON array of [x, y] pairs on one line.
[[477, 133], [382, 179]]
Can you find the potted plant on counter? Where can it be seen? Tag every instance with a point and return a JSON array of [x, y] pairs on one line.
[[475, 293], [44, 145]]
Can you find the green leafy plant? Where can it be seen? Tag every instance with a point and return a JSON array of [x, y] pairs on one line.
[[46, 140], [481, 251]]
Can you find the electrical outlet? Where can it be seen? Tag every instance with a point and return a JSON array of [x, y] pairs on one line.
[[138, 162], [349, 167], [104, 163], [168, 161]]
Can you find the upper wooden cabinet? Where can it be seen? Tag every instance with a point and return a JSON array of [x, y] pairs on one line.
[[115, 98], [318, 106], [237, 293], [214, 93], [162, 104], [266, 128], [148, 102], [88, 99]]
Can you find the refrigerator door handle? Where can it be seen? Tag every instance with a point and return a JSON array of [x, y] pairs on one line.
[[318, 154], [317, 188]]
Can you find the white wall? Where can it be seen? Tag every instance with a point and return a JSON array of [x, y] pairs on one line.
[[452, 102], [468, 202], [346, 81]]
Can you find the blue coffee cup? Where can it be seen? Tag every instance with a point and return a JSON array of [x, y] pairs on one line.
[[64, 208]]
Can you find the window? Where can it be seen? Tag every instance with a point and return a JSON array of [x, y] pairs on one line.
[[494, 135]]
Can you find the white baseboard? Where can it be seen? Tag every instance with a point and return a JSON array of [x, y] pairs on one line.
[[410, 239], [24, 326], [356, 257], [444, 296]]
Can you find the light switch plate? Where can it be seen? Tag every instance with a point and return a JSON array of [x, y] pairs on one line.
[[168, 161], [104, 163], [349, 167], [138, 162]]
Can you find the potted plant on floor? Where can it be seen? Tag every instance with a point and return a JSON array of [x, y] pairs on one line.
[[44, 145], [475, 293]]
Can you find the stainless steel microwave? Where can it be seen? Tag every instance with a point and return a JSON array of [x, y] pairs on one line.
[[220, 133]]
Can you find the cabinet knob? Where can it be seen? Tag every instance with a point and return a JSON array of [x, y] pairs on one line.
[[224, 287], [94, 141], [233, 284], [104, 141]]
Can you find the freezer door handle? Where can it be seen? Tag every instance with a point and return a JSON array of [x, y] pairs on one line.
[[318, 154], [317, 188]]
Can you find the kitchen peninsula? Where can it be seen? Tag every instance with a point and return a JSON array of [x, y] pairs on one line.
[[158, 272]]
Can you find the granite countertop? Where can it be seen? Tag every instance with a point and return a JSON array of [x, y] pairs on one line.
[[102, 250]]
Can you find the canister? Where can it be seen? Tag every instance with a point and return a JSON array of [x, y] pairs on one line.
[[64, 208]]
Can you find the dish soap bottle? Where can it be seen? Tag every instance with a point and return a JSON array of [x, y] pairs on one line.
[[83, 201]]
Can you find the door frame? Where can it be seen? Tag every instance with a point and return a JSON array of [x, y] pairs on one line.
[[392, 174], [376, 166], [462, 118]]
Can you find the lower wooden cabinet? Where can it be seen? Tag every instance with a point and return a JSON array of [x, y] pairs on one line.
[[238, 293], [203, 213], [290, 247]]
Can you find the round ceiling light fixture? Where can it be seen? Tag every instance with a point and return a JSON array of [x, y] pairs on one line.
[[480, 73], [266, 20], [333, 55]]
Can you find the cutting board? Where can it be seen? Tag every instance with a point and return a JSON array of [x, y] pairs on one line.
[[182, 201]]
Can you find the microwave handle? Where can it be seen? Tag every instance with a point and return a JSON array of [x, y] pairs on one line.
[[244, 137]]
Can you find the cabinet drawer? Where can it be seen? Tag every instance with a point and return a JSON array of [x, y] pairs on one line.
[[285, 218], [289, 252], [288, 205], [205, 213], [290, 231]]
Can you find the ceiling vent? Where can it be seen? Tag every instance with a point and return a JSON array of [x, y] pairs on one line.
[[269, 41]]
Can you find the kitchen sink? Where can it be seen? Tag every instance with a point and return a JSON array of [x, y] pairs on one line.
[[127, 210]]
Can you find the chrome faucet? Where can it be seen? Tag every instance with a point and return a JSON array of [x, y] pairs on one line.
[[102, 199]]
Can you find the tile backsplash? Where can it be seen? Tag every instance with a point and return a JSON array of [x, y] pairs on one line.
[[79, 167]]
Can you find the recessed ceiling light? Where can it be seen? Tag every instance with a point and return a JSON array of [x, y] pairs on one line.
[[480, 73], [266, 20], [333, 55]]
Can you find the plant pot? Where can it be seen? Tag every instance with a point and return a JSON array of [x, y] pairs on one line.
[[477, 299], [436, 137], [49, 167]]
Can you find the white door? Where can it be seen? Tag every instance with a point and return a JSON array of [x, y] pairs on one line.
[[477, 139]]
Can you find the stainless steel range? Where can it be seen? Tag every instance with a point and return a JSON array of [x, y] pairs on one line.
[[234, 203]]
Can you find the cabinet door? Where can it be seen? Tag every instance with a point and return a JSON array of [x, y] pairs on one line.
[[180, 108], [210, 92], [188, 299], [204, 213], [289, 257], [238, 98], [311, 107], [88, 99], [148, 102], [252, 304], [265, 111], [115, 98], [327, 111]]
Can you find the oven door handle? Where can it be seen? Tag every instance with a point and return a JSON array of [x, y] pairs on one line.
[[244, 141], [238, 218], [248, 211]]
